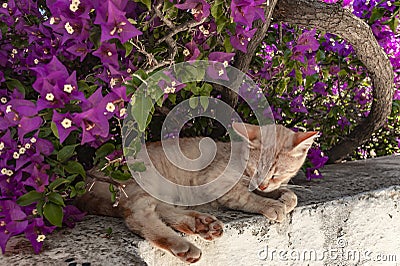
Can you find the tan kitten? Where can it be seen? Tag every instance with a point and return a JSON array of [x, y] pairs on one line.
[[157, 221]]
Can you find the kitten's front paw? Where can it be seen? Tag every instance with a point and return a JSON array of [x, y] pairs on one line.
[[289, 199], [275, 211]]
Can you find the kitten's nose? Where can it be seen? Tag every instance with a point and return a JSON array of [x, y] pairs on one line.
[[263, 187]]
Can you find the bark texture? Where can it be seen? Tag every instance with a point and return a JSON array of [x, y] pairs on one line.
[[334, 19], [243, 60]]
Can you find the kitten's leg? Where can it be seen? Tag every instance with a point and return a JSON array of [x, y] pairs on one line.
[[240, 198], [141, 217], [284, 195], [191, 222]]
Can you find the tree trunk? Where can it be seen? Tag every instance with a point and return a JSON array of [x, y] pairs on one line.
[[243, 60], [334, 19]]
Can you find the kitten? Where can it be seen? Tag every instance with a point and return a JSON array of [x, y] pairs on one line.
[[158, 222]]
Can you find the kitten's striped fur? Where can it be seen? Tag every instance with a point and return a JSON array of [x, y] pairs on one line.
[[158, 222]]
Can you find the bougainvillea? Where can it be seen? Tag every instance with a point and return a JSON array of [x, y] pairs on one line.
[[68, 68]]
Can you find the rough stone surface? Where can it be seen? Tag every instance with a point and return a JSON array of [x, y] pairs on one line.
[[350, 217]]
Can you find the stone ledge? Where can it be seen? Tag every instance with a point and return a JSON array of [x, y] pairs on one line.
[[356, 206]]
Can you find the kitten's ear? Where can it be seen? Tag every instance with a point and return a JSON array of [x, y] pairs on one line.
[[250, 133], [302, 141]]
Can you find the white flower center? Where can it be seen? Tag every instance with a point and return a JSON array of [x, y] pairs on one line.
[[4, 171], [52, 20], [22, 150], [225, 63], [4, 5], [69, 28], [221, 72], [40, 238], [50, 96], [68, 88], [8, 108], [186, 52], [66, 123], [73, 7], [109, 53], [33, 140], [110, 107], [27, 146], [122, 112], [3, 100], [9, 172], [1, 146], [16, 155], [36, 61]]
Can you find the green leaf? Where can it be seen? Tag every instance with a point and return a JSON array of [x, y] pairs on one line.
[[138, 167], [73, 192], [105, 150], [118, 175], [66, 152], [193, 102], [39, 207], [147, 3], [393, 24], [14, 83], [80, 188], [53, 213], [204, 102], [54, 129], [206, 89], [58, 182], [376, 14], [74, 167], [29, 198], [56, 198], [141, 108], [128, 48], [228, 46]]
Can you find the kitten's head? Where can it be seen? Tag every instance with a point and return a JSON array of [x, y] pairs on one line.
[[272, 161]]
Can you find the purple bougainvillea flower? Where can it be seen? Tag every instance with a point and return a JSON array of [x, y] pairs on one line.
[[297, 105], [199, 8], [107, 54], [320, 87], [64, 124], [71, 215], [343, 122], [79, 49], [247, 11], [13, 221], [93, 120], [172, 85], [242, 37], [38, 178], [307, 42], [396, 95], [191, 52], [317, 157], [36, 231], [114, 23], [218, 63], [312, 173]]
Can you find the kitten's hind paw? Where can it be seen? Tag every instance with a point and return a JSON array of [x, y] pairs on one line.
[[192, 254], [208, 227], [180, 248]]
